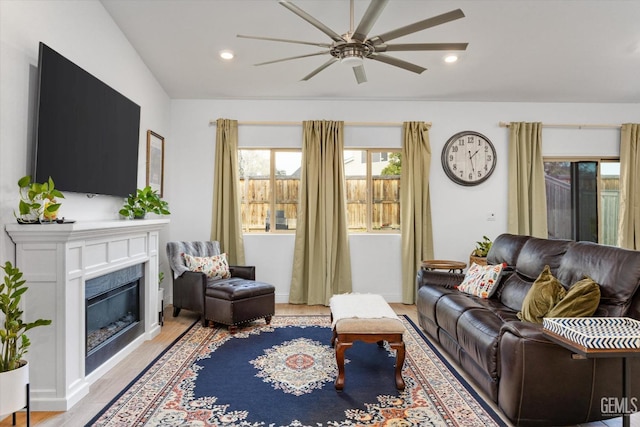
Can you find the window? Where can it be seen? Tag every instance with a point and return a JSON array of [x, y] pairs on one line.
[[373, 189], [582, 199], [262, 171]]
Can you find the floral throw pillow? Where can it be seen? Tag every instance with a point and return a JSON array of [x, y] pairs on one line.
[[214, 267], [481, 280]]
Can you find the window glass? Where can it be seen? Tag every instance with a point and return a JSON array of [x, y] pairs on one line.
[[255, 188], [287, 186], [609, 202]]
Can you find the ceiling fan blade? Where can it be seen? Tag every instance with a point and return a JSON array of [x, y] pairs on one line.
[[327, 45], [397, 63], [320, 68], [369, 19], [418, 26], [324, 52], [405, 47], [358, 71], [311, 20]]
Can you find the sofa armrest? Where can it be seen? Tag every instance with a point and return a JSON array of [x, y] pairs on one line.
[[525, 330], [243, 271], [438, 278], [188, 291]]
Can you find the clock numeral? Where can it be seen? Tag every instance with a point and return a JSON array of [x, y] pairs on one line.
[[486, 148], [461, 142], [461, 174], [479, 174], [470, 175], [454, 149], [450, 157], [454, 167], [486, 168], [470, 139], [489, 158]]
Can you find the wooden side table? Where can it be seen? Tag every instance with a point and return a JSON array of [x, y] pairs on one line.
[[588, 352], [442, 264]]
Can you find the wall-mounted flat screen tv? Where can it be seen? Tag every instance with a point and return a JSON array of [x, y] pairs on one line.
[[87, 132]]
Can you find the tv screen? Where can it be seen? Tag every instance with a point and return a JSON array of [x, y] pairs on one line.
[[87, 133]]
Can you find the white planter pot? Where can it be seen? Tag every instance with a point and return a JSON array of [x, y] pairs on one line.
[[13, 390]]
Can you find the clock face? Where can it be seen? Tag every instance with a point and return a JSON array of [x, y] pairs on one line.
[[468, 158]]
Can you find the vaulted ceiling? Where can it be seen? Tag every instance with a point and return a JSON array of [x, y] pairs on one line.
[[519, 50]]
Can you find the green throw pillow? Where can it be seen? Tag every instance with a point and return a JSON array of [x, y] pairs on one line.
[[543, 295], [582, 300]]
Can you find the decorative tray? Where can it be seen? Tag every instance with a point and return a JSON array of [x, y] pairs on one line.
[[596, 332]]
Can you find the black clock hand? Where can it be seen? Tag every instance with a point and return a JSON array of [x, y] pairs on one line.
[[473, 169], [471, 156]]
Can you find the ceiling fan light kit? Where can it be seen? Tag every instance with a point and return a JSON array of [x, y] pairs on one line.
[[355, 46]]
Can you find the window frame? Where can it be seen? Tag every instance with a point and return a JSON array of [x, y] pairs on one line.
[[369, 151], [272, 186], [599, 182]]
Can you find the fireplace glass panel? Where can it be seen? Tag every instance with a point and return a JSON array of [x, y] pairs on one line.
[[111, 313]]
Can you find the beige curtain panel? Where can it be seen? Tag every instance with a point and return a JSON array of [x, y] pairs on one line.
[[415, 205], [629, 220], [321, 261], [527, 200], [226, 226]]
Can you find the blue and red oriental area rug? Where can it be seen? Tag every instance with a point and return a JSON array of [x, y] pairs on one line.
[[283, 375]]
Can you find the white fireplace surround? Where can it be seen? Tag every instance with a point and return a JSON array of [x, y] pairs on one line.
[[56, 260]]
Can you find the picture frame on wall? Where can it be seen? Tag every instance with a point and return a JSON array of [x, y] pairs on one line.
[[155, 162]]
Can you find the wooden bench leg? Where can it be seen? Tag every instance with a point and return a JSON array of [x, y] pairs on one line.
[[341, 347], [400, 354]]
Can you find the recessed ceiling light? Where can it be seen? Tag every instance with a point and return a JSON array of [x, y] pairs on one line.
[[450, 58], [226, 54]]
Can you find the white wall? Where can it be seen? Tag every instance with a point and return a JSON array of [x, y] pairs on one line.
[[459, 213], [83, 32]]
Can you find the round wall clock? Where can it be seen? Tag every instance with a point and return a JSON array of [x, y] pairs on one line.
[[468, 158]]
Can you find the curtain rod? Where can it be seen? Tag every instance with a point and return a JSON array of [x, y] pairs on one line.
[[270, 123], [572, 126]]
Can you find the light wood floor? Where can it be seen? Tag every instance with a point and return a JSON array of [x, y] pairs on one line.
[[107, 387]]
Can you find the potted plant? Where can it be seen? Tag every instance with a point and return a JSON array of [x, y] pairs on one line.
[[144, 200], [14, 371], [37, 201], [479, 254]]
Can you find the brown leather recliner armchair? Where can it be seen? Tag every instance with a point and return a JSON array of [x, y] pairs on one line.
[[189, 286], [231, 301]]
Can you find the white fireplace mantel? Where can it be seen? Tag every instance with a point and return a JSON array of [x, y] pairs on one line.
[[56, 260]]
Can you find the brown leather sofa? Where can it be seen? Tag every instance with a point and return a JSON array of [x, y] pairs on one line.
[[533, 380]]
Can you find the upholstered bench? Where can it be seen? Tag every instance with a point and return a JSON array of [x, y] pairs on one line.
[[368, 318], [236, 300]]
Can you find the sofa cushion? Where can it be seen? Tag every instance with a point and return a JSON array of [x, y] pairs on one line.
[[537, 253], [545, 293], [214, 267], [481, 280], [616, 270], [581, 300], [506, 249]]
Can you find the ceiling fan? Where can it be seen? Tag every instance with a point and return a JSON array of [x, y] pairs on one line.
[[355, 46]]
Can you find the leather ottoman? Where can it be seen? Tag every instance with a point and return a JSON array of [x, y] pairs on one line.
[[238, 300]]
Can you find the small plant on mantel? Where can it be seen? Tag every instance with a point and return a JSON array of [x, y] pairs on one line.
[[144, 200], [12, 333], [37, 201]]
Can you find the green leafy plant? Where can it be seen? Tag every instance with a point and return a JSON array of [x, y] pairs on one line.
[[143, 201], [37, 200], [12, 334], [482, 247]]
